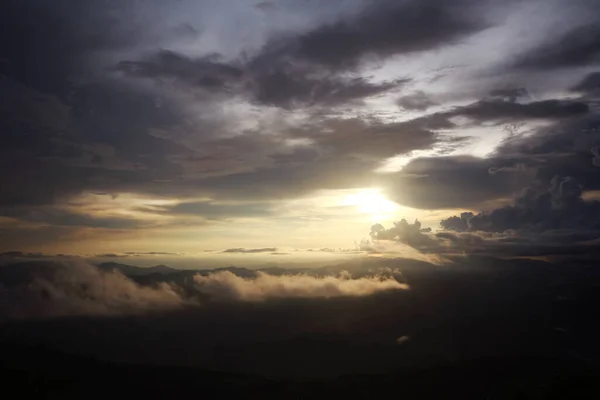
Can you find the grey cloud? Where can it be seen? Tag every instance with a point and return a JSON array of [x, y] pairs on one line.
[[565, 147], [382, 29], [265, 6], [596, 153], [579, 46], [73, 287], [374, 138], [510, 94], [457, 223], [290, 89], [282, 84], [451, 182], [216, 211], [537, 209], [57, 217], [304, 68], [21, 254], [509, 110], [404, 232], [416, 101], [246, 251], [517, 168], [589, 84], [206, 72], [137, 253]]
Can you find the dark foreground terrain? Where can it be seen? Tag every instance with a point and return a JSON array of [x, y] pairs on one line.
[[42, 373], [479, 328]]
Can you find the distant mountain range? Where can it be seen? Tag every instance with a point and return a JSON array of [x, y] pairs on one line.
[[132, 270]]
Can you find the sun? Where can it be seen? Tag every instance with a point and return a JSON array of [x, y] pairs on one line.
[[372, 202]]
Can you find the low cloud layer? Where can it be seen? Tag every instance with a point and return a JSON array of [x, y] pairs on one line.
[[72, 287], [245, 251], [227, 286]]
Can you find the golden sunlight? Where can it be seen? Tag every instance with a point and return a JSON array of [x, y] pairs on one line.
[[372, 202]]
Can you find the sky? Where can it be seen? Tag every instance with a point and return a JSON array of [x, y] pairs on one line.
[[300, 129]]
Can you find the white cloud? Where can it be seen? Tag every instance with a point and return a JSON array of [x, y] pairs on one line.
[[227, 286], [74, 287]]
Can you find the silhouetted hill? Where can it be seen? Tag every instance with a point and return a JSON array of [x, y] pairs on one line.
[[131, 270], [38, 371]]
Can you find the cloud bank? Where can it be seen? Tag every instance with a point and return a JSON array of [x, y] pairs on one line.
[[227, 286], [74, 287], [51, 289]]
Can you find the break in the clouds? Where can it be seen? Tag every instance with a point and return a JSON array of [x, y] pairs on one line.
[[232, 125]]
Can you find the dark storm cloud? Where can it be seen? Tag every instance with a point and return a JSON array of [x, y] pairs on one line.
[[381, 30], [537, 209], [119, 132], [283, 85], [103, 141], [577, 47], [303, 69], [61, 130], [510, 111], [590, 84], [290, 89], [205, 72], [567, 147], [373, 138], [451, 182], [46, 45]]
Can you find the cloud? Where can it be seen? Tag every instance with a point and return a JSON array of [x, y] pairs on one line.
[[205, 72], [246, 251], [543, 219], [404, 232], [227, 286], [589, 84], [74, 287], [284, 85], [508, 110], [416, 101], [215, 211], [61, 287], [57, 217], [265, 6], [166, 123], [577, 47], [304, 69], [380, 30], [374, 137], [536, 210], [457, 223], [293, 88], [452, 182]]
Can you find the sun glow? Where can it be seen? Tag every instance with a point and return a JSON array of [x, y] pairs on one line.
[[372, 202]]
